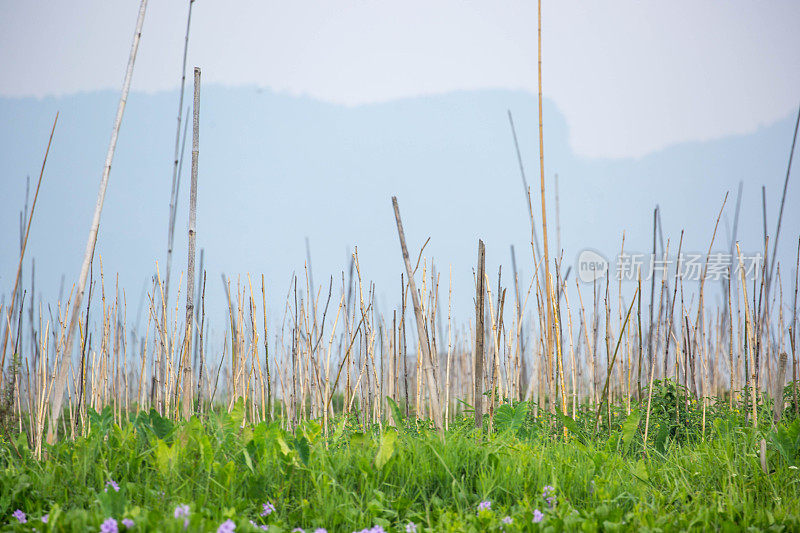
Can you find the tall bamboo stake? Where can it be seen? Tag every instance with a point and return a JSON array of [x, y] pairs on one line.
[[549, 312], [173, 199], [480, 290], [61, 379], [423, 342], [187, 366]]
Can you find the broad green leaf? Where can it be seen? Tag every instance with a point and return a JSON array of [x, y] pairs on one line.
[[301, 445], [165, 457], [386, 449], [573, 427], [396, 413], [629, 429], [247, 460]]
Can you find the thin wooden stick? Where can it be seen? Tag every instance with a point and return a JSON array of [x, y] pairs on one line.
[[480, 290], [187, 349], [176, 171], [61, 380], [423, 342], [24, 245], [548, 288]]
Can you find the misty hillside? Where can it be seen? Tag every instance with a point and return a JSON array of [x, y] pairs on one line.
[[274, 169]]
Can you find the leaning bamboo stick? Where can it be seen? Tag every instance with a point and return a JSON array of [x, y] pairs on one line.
[[23, 246], [61, 380], [434, 394]]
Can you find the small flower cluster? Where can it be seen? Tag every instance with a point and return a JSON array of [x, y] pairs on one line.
[[22, 518], [507, 520], [262, 526], [182, 511], [267, 509], [537, 516], [373, 529], [113, 484], [411, 527], [228, 526], [109, 526], [549, 494], [485, 506]]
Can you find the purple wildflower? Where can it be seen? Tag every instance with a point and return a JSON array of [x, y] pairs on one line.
[[20, 516], [298, 530], [228, 526], [549, 494], [507, 520], [537, 516], [45, 518], [181, 510], [109, 526], [268, 509], [485, 506], [113, 484], [320, 530], [128, 523], [262, 526], [411, 527]]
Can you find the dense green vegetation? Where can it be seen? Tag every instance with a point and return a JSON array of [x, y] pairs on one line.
[[145, 470]]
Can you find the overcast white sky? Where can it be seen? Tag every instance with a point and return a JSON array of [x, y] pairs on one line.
[[631, 77]]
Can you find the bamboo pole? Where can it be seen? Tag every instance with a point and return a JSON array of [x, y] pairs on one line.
[[61, 380], [176, 171], [479, 330], [23, 246], [434, 394], [187, 348], [549, 310]]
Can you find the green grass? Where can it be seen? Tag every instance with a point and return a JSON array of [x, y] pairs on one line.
[[604, 481]]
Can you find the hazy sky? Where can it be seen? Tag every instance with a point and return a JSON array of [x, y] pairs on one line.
[[631, 77]]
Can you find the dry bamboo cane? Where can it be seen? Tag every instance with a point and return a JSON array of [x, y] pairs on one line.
[[730, 338], [24, 245], [793, 331], [749, 336], [778, 406], [61, 380], [589, 349], [434, 394], [549, 310], [559, 359], [613, 358], [479, 331], [176, 171], [449, 349], [783, 199], [187, 348], [571, 354]]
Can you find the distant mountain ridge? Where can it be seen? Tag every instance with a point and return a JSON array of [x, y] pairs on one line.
[[276, 168]]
